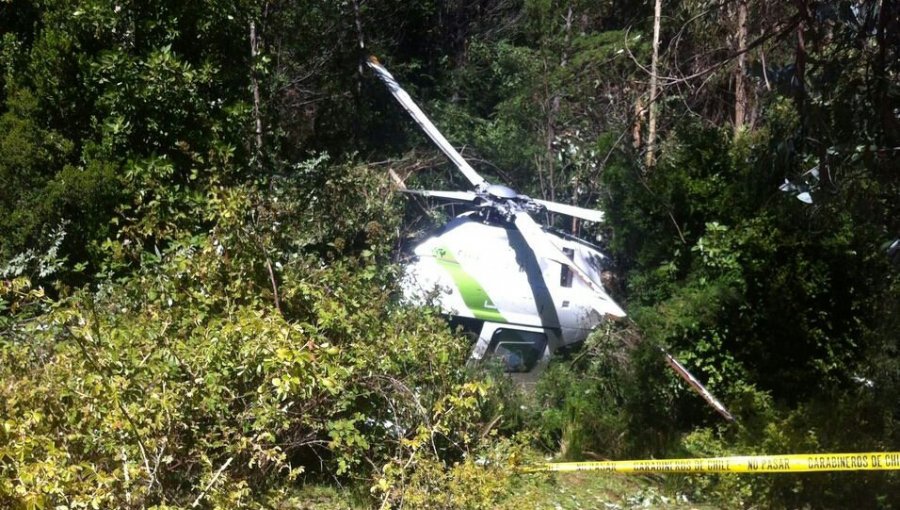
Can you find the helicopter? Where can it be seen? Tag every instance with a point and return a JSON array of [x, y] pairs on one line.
[[525, 289], [522, 290]]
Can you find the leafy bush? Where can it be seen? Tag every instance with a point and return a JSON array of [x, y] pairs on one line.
[[580, 402], [181, 381]]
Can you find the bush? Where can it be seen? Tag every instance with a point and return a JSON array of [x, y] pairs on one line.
[[182, 381]]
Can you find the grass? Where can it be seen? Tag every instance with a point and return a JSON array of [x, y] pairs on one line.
[[554, 491], [595, 490]]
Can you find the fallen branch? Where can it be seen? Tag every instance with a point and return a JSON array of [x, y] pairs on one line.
[[211, 482]]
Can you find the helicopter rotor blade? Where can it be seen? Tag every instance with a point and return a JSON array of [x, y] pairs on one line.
[[697, 385], [422, 120], [571, 210], [463, 196], [543, 246]]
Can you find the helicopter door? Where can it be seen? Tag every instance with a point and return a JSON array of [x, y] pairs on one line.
[[519, 349]]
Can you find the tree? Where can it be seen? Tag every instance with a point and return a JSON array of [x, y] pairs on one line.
[[741, 88], [654, 108]]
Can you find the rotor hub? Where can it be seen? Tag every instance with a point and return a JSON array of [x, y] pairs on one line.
[[500, 191]]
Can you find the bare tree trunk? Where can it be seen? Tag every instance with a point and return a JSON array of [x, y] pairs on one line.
[[881, 75], [550, 132], [762, 56], [563, 63], [651, 124], [257, 120], [254, 51], [636, 127], [553, 111], [741, 99], [800, 62], [567, 41], [359, 70]]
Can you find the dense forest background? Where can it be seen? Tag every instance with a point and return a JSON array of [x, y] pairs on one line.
[[198, 244]]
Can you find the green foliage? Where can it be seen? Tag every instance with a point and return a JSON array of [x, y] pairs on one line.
[[181, 379], [114, 114], [194, 311], [579, 405], [772, 303], [481, 480]]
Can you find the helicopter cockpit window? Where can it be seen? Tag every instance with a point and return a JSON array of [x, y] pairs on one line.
[[565, 275], [519, 351]]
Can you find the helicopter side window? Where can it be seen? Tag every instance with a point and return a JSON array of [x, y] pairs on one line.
[[519, 351], [565, 275]]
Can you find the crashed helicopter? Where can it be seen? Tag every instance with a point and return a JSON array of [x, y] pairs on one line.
[[523, 289]]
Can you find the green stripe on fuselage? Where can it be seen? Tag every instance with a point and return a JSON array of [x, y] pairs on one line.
[[473, 294]]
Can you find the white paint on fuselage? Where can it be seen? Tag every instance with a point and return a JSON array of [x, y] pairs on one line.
[[496, 258]]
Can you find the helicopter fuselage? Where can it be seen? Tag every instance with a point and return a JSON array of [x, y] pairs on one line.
[[524, 307]]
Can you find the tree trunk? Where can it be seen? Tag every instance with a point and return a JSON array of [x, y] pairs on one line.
[[636, 138], [550, 134], [254, 51], [800, 63], [553, 110], [359, 70], [651, 124], [741, 99], [882, 80]]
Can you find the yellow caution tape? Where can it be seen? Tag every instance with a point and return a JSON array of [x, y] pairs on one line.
[[741, 464]]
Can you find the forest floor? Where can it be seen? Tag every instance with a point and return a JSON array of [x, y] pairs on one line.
[[557, 491], [597, 490]]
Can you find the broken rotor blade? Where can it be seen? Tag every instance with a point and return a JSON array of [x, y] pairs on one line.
[[572, 210], [541, 244], [464, 196], [422, 120], [698, 387]]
